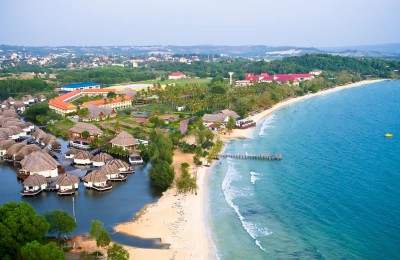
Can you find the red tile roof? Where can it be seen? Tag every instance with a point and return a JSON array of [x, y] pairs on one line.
[[109, 101], [177, 74], [99, 90]]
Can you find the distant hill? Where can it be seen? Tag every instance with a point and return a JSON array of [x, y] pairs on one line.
[[390, 48]]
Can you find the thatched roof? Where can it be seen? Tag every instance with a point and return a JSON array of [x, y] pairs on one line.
[[14, 149], [127, 91], [39, 161], [95, 111], [214, 117], [124, 139], [119, 163], [67, 180], [72, 151], [39, 134], [229, 112], [109, 169], [35, 180], [18, 104], [80, 127], [82, 155], [28, 149], [10, 113], [14, 123], [95, 176], [4, 145], [51, 140], [102, 157]]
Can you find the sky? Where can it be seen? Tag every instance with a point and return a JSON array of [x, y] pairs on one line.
[[306, 23]]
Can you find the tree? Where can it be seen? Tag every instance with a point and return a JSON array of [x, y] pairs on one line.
[[117, 252], [96, 228], [117, 126], [186, 182], [103, 238], [162, 174], [85, 135], [111, 95], [60, 222], [19, 225], [35, 250], [230, 124]]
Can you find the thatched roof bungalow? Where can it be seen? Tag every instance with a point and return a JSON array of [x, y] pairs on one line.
[[40, 163], [33, 185], [97, 113], [101, 159], [5, 145], [75, 133], [13, 150], [123, 167], [124, 140], [39, 135], [67, 184], [25, 151], [112, 172], [51, 142], [83, 157], [97, 180], [71, 153]]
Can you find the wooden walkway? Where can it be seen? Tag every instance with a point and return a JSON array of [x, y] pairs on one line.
[[252, 156]]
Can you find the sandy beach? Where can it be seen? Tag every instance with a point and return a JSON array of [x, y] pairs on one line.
[[180, 219]]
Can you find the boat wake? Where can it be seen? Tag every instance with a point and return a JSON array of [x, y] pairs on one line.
[[267, 124], [230, 193]]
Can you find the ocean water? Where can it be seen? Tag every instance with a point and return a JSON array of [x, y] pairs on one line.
[[334, 195]]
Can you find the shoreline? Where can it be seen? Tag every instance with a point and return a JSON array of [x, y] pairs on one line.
[[182, 220], [244, 133]]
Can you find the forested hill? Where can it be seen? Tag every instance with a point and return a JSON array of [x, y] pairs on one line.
[[300, 64]]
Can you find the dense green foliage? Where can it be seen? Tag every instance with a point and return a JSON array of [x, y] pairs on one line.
[[19, 225], [41, 114], [18, 88], [230, 124], [105, 75], [34, 250], [117, 252], [84, 99], [186, 182], [162, 174], [60, 222]]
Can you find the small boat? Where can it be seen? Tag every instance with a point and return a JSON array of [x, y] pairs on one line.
[[135, 158], [388, 135]]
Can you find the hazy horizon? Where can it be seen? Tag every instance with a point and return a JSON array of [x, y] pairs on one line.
[[301, 23]]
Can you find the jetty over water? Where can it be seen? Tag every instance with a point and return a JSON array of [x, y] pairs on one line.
[[252, 156]]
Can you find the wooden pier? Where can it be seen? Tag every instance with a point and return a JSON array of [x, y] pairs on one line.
[[252, 156]]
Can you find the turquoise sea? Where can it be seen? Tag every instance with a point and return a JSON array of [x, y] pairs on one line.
[[335, 194]]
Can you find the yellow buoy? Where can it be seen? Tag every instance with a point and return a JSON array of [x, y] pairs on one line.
[[388, 135]]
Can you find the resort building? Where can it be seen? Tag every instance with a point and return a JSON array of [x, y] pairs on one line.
[[33, 185], [122, 166], [75, 133], [292, 79], [114, 103], [124, 140], [5, 145], [97, 180], [101, 159], [83, 157], [40, 163], [71, 153], [177, 75], [79, 86], [222, 117], [12, 151], [25, 151], [66, 184], [97, 113], [112, 173]]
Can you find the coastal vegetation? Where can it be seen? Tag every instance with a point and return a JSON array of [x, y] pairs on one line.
[[60, 222]]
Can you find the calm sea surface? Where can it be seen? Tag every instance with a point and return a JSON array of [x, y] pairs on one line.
[[335, 194]]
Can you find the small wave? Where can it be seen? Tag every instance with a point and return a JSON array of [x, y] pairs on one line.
[[267, 124], [230, 193], [254, 177]]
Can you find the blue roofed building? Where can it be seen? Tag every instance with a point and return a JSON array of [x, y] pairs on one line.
[[80, 86]]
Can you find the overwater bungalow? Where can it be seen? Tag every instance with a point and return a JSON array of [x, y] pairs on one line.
[[101, 159], [4, 145], [10, 101], [71, 153], [12, 151], [75, 133], [67, 184], [25, 151], [39, 135], [40, 163], [51, 142], [135, 158], [33, 185], [124, 140], [97, 180], [83, 157], [123, 167], [112, 173]]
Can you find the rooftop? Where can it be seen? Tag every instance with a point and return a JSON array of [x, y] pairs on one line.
[[80, 85]]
